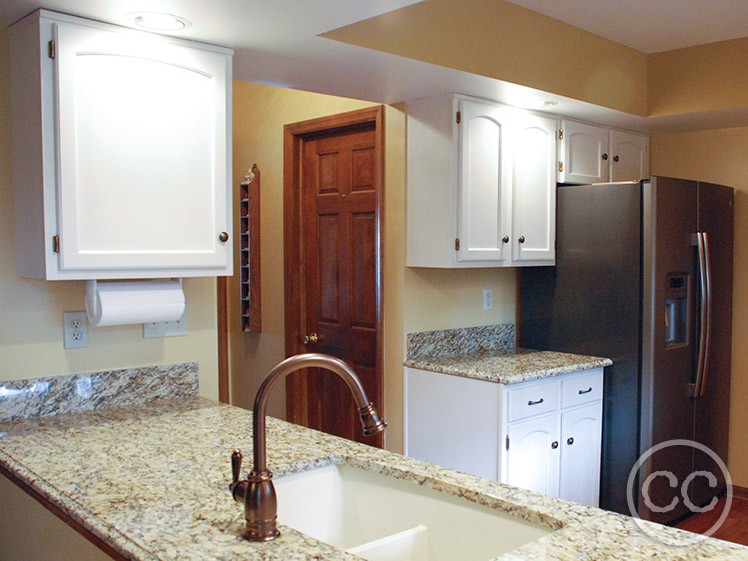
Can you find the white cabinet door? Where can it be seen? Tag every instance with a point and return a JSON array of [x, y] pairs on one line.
[[629, 156], [533, 191], [581, 431], [533, 454], [138, 183], [583, 153], [140, 128], [484, 180]]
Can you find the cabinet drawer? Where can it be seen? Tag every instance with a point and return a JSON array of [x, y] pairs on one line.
[[582, 389], [533, 400]]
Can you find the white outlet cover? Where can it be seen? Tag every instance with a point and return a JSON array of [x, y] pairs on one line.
[[75, 329]]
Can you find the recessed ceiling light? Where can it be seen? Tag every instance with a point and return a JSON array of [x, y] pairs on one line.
[[157, 21], [540, 103]]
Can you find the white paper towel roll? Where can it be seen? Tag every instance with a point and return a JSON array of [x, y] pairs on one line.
[[122, 303]]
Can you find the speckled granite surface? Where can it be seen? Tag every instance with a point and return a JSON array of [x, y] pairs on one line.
[[508, 366], [51, 395], [423, 344], [152, 481]]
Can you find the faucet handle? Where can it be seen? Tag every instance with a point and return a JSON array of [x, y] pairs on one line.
[[236, 465]]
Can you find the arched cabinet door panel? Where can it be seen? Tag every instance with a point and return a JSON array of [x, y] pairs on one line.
[[135, 160]]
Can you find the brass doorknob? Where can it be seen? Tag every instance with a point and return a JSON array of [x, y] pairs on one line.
[[312, 338]]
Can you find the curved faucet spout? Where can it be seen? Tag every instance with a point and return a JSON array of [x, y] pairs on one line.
[[257, 492]]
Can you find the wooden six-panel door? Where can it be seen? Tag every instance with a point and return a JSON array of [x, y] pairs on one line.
[[338, 290]]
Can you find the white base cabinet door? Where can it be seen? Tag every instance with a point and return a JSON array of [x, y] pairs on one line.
[[532, 455], [543, 435], [581, 433], [122, 152]]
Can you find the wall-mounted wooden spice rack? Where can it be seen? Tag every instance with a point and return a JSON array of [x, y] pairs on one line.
[[249, 251]]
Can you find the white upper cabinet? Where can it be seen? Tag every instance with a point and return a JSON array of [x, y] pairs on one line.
[[629, 156], [481, 185], [126, 170], [533, 191], [593, 154], [484, 181], [583, 153]]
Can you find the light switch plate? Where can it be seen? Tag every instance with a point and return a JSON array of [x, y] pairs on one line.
[[176, 328], [488, 299], [75, 329]]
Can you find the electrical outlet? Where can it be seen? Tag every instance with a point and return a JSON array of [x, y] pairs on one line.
[[175, 328], [75, 329], [488, 299]]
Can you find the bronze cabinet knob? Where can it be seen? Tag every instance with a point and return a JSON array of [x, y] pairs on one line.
[[223, 236], [605, 156], [554, 445], [521, 239], [505, 239], [616, 158]]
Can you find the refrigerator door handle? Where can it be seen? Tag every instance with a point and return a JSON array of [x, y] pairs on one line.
[[705, 313]]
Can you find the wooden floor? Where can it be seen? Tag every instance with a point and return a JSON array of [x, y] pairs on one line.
[[733, 529]]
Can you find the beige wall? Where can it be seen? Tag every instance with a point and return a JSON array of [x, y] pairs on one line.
[[701, 78], [719, 156], [413, 299], [31, 341], [500, 40], [260, 112]]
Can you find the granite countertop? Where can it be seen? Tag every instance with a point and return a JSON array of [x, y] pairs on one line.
[[508, 366], [151, 481]]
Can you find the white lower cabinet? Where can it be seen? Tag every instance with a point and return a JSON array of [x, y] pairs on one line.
[[542, 435], [532, 456], [581, 431]]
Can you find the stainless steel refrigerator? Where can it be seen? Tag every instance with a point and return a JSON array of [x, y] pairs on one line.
[[643, 276]]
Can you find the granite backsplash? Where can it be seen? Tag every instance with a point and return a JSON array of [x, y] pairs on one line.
[[460, 340]]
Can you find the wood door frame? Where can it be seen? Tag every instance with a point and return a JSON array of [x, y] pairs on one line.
[[295, 321]]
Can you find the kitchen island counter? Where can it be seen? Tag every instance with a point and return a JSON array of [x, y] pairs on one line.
[[150, 482]]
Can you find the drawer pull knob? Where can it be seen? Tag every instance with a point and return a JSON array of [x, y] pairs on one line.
[[570, 440], [554, 445], [535, 402], [582, 392]]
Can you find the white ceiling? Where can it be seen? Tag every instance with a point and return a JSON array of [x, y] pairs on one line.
[[651, 26], [277, 42]]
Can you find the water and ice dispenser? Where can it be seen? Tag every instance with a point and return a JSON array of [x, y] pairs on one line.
[[676, 309]]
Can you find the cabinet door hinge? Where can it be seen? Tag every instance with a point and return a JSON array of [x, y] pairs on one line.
[[560, 134], [459, 117], [457, 244], [507, 442], [56, 244], [51, 51], [560, 166]]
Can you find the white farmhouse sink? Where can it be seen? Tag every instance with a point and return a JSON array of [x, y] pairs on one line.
[[381, 518]]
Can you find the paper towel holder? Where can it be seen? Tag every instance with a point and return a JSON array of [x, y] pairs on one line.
[[93, 300]]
